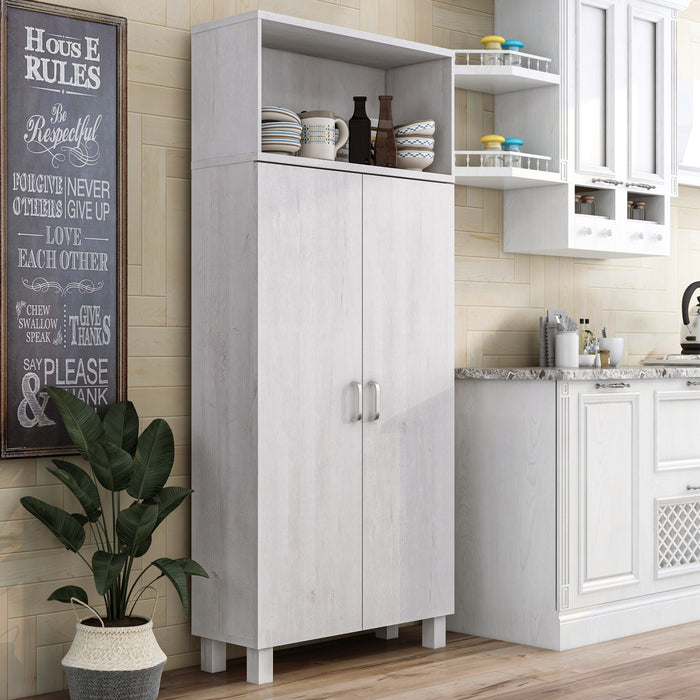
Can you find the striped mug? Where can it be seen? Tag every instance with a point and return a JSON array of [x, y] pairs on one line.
[[318, 135]]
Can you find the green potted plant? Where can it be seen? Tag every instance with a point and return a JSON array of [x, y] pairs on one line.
[[116, 655]]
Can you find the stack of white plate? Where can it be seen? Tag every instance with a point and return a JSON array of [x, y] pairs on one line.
[[281, 130], [415, 144]]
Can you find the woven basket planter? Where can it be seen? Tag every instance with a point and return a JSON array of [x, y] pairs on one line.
[[114, 663]]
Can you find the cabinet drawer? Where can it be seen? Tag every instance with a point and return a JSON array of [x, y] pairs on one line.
[[635, 236], [658, 239], [676, 433]]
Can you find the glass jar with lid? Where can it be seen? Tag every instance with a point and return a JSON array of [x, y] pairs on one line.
[[512, 155], [491, 44], [630, 204], [512, 59], [577, 204], [492, 146], [588, 205], [639, 211]]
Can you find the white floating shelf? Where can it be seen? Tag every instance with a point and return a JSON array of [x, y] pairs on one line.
[[505, 178], [502, 176], [476, 74]]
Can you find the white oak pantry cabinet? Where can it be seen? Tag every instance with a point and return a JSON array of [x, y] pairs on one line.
[[601, 108], [578, 506], [322, 349]]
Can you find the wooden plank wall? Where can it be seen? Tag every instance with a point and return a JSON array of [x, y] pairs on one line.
[[499, 296]]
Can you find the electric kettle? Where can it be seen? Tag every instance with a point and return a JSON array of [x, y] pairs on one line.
[[690, 329]]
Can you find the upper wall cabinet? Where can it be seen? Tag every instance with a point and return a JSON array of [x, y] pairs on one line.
[[605, 128]]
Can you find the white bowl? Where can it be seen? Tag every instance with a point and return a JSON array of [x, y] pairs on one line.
[[287, 126], [422, 127], [415, 143], [586, 360], [279, 114], [415, 160], [615, 346]]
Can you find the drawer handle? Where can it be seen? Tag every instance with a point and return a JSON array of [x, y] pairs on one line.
[[614, 385], [640, 235], [588, 231], [606, 233], [692, 488], [692, 383]]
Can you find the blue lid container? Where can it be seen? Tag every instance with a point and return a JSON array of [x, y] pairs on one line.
[[512, 144], [512, 45]]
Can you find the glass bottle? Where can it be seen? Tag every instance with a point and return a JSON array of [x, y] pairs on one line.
[[577, 209], [639, 211], [360, 134], [385, 144], [629, 209]]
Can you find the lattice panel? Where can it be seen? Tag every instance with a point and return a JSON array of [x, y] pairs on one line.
[[678, 533]]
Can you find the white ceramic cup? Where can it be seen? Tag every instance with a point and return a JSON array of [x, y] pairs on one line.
[[318, 135], [615, 345], [566, 349]]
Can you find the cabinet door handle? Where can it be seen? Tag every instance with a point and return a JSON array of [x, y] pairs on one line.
[[588, 231], [692, 383], [641, 185], [614, 385], [692, 488], [659, 237], [640, 235], [358, 416], [607, 180], [377, 400], [606, 233]]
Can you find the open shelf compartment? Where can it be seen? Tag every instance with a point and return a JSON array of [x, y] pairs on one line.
[[304, 65]]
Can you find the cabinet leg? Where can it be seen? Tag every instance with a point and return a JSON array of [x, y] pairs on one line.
[[388, 632], [213, 655], [259, 665], [435, 632]]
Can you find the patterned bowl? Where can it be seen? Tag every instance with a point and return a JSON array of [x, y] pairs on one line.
[[415, 143], [422, 127], [415, 160]]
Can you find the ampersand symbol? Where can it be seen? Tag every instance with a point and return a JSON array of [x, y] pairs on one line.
[[30, 389]]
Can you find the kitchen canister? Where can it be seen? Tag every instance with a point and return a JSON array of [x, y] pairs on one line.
[[512, 147], [492, 144], [318, 135], [492, 43], [512, 59], [566, 349]]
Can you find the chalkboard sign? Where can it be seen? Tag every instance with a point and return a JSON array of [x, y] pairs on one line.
[[63, 218]]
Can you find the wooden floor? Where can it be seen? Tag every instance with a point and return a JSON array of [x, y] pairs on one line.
[[663, 664]]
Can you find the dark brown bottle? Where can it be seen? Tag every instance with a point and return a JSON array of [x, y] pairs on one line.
[[360, 134], [385, 145]]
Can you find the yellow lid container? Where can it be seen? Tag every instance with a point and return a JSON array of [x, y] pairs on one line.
[[492, 141], [492, 42]]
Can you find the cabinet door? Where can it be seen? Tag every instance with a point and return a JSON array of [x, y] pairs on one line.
[[408, 340], [648, 94], [309, 447], [596, 72], [601, 472]]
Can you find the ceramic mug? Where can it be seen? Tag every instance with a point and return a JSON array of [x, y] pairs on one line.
[[318, 135]]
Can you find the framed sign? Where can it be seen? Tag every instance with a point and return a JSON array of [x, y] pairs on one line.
[[62, 219]]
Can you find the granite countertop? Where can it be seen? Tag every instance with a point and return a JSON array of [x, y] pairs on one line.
[[551, 374]]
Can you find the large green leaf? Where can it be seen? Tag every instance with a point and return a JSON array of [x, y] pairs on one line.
[[106, 567], [154, 459], [82, 423], [66, 528], [81, 486], [136, 523], [143, 547], [65, 593], [113, 466], [191, 567], [175, 572], [168, 499], [121, 426]]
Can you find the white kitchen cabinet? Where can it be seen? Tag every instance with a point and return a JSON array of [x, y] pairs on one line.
[[322, 390], [578, 487], [608, 130]]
